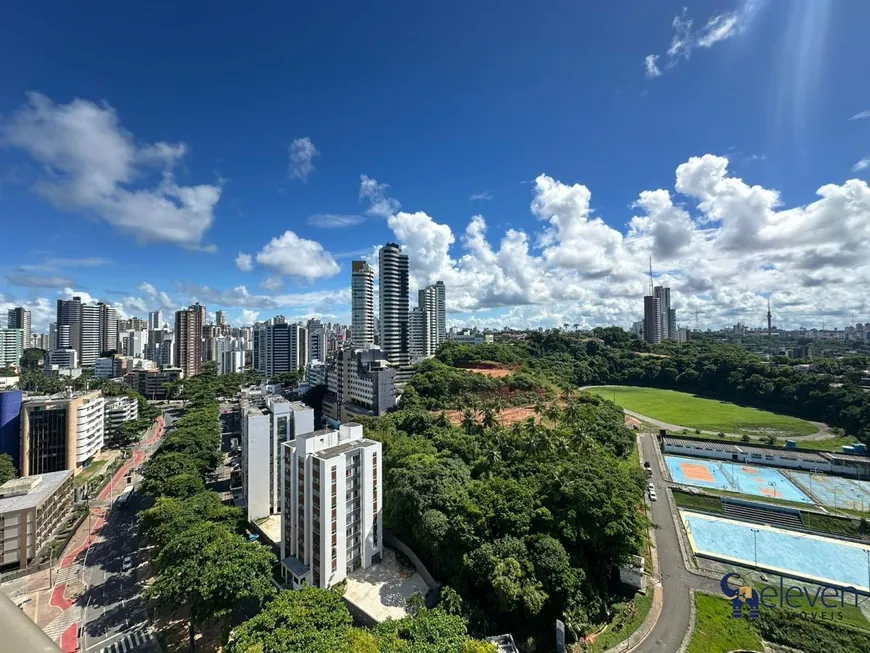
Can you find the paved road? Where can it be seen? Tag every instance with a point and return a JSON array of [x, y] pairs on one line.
[[673, 623], [115, 618], [114, 606]]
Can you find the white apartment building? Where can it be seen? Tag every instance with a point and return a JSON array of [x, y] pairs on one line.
[[118, 411], [420, 334], [63, 358], [11, 346], [231, 362], [267, 421], [331, 506], [431, 300]]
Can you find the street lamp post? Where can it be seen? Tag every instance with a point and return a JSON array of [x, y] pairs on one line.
[[773, 485], [755, 533]]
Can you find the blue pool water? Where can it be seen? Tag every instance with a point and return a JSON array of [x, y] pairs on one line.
[[802, 555], [737, 477]]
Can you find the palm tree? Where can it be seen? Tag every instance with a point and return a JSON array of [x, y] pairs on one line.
[[572, 412], [490, 420], [576, 622], [553, 413], [568, 392], [450, 601], [540, 407], [469, 423]]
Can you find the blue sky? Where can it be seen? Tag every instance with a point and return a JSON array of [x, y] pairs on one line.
[[142, 150]]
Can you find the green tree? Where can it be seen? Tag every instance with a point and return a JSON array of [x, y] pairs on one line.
[[7, 468], [164, 466], [170, 516], [450, 601], [212, 572], [309, 620]]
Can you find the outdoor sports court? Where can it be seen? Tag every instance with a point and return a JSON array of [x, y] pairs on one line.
[[810, 557], [835, 491], [734, 477]]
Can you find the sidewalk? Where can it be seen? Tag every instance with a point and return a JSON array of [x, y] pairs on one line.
[[49, 596]]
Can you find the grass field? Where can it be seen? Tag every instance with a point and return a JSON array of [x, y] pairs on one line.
[[625, 624], [680, 408], [716, 631]]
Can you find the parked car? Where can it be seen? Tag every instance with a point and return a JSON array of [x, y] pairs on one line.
[[651, 487], [652, 495], [127, 564]]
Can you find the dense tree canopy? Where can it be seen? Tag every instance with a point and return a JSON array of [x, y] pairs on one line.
[[312, 620]]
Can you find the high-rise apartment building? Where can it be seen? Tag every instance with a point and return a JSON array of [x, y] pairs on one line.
[[316, 341], [61, 432], [362, 299], [280, 347], [19, 318], [11, 346], [331, 505], [90, 338], [652, 320], [108, 327], [419, 333], [393, 273], [266, 422], [69, 314], [155, 321], [663, 294], [431, 299], [188, 339], [220, 318]]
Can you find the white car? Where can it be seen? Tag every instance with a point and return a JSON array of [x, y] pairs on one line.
[[128, 563], [652, 495], [650, 487]]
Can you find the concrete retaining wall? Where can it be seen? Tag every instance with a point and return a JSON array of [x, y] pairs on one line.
[[395, 543]]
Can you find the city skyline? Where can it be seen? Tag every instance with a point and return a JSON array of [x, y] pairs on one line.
[[262, 208]]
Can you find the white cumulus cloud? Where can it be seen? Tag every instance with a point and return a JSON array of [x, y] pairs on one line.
[[293, 256], [93, 166]]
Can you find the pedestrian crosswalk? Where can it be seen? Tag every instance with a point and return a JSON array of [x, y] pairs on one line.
[[67, 574], [62, 622], [140, 639]]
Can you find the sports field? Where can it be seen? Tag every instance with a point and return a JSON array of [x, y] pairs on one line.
[[691, 411]]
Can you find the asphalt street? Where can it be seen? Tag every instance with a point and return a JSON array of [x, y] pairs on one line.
[[667, 635], [115, 614]]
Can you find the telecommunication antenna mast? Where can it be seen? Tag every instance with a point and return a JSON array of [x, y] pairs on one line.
[[650, 277]]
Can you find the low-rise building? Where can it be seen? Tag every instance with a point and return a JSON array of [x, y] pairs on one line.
[[109, 367], [118, 411], [62, 358], [31, 510], [61, 431], [331, 505], [470, 337], [150, 383]]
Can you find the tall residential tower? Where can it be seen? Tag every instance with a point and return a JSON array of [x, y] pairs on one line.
[[394, 304], [362, 328]]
